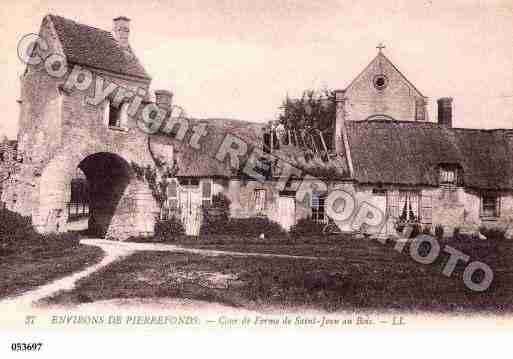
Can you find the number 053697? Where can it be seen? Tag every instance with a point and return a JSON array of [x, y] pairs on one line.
[[26, 347]]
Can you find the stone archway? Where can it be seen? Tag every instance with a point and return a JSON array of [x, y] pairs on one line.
[[111, 195], [120, 205]]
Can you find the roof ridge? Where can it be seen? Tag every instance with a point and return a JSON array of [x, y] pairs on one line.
[[431, 124], [80, 23], [95, 47]]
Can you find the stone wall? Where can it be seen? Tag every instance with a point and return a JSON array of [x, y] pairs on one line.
[[57, 131], [396, 100]]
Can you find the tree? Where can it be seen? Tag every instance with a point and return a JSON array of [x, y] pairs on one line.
[[315, 109], [302, 119]]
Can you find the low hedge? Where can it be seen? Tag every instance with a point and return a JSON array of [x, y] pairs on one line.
[[306, 227], [169, 230], [245, 227], [496, 233], [15, 227]]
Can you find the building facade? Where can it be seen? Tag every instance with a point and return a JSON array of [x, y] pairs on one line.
[[385, 151]]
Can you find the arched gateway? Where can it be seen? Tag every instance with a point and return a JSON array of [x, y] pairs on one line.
[[80, 122], [111, 201]]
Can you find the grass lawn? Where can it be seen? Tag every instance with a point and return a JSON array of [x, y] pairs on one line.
[[365, 275], [26, 264], [320, 246]]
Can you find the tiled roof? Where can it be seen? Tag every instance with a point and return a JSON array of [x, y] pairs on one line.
[[86, 45]]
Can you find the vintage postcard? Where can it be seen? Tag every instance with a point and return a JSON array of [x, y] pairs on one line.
[[263, 166]]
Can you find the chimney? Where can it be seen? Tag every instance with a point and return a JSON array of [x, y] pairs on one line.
[[340, 100], [164, 99], [445, 111], [121, 29]]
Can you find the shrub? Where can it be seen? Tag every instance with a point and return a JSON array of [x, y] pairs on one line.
[[426, 229], [168, 230], [415, 230], [254, 226], [15, 227], [496, 233], [222, 203], [213, 225], [306, 227], [456, 233], [439, 231], [215, 217]]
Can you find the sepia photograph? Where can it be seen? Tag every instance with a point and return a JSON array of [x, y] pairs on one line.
[[254, 166]]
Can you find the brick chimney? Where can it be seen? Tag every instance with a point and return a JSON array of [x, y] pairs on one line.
[[164, 99], [340, 101], [121, 30], [445, 111]]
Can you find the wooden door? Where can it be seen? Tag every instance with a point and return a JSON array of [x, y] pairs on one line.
[[190, 210], [287, 211]]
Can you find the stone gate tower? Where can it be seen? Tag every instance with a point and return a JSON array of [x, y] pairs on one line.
[[80, 95]]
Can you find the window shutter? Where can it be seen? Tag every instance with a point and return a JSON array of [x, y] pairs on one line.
[[172, 189], [392, 204], [259, 198], [172, 194], [206, 192], [426, 209]]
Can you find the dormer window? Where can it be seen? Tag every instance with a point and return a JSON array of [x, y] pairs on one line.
[[490, 205], [448, 176]]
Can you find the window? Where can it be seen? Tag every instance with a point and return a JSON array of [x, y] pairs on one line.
[[426, 210], [490, 206], [117, 117], [317, 206], [380, 82], [409, 205], [171, 205], [114, 116], [206, 193], [379, 192], [259, 200], [448, 176], [194, 182]]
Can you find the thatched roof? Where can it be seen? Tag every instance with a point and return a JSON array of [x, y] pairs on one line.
[[202, 162], [409, 153]]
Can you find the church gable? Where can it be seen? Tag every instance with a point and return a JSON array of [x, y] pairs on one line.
[[381, 91]]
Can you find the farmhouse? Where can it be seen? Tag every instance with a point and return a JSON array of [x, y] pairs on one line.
[[74, 159]]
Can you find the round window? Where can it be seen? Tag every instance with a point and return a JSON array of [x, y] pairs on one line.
[[380, 82]]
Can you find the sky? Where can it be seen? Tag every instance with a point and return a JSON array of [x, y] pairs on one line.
[[239, 59]]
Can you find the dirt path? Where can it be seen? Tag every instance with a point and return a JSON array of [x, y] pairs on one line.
[[112, 253], [103, 243], [115, 250]]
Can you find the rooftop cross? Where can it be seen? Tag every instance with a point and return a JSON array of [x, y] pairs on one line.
[[380, 46]]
